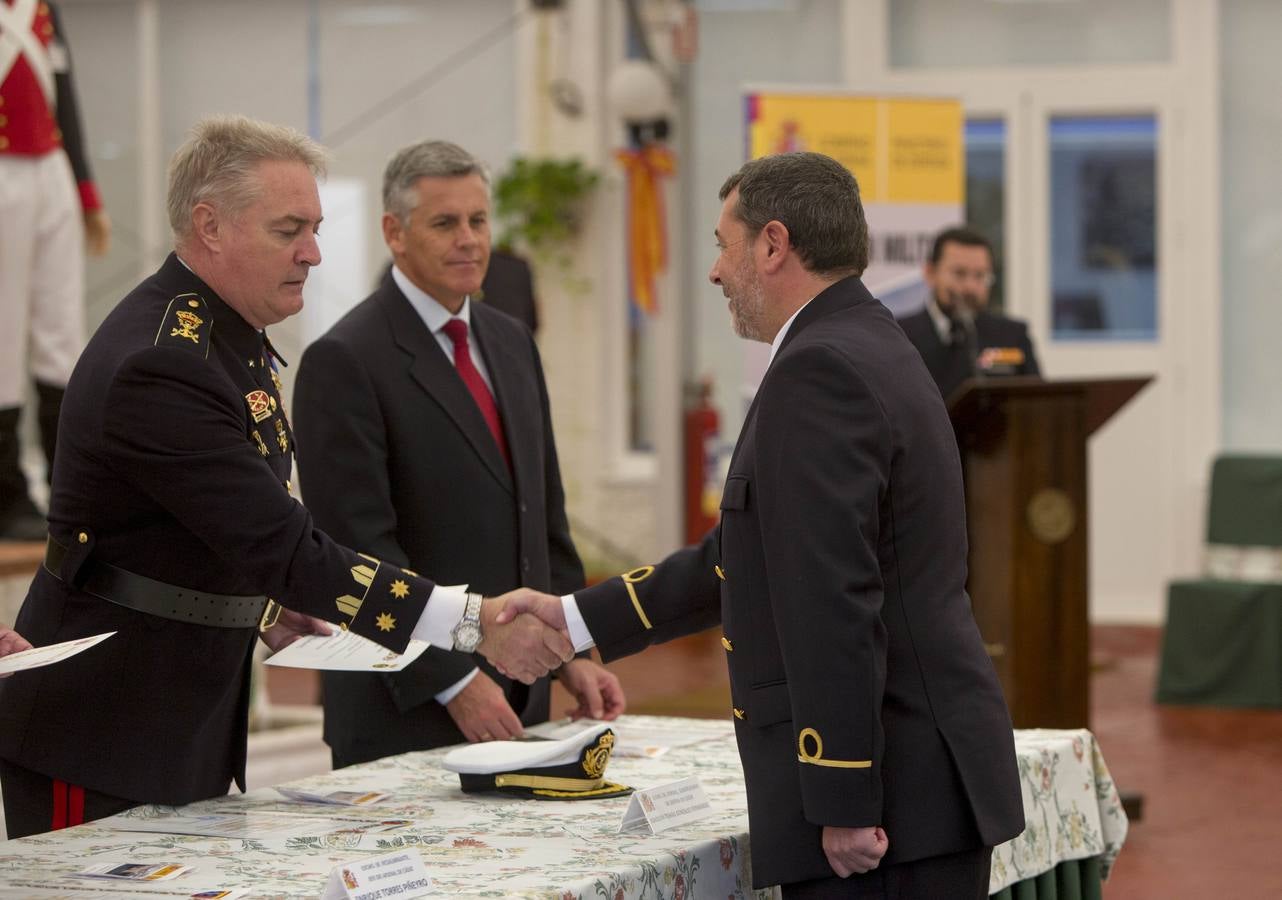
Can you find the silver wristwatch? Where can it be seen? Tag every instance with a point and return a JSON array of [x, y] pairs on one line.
[[467, 633]]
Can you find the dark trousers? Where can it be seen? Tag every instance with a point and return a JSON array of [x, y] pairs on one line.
[[957, 876], [35, 803]]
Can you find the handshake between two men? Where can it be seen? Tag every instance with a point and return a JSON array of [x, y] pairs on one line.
[[523, 633]]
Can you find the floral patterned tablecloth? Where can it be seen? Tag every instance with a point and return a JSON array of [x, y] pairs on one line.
[[1071, 807], [493, 846]]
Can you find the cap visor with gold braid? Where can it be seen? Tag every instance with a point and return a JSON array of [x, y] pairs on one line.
[[570, 769]]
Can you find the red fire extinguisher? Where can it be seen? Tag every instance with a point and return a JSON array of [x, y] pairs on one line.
[[702, 449]]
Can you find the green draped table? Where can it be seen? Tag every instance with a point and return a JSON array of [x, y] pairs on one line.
[[495, 846], [1222, 645]]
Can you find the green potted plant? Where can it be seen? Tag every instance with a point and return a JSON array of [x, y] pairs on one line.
[[538, 203]]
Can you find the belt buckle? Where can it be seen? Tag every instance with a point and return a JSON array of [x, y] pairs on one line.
[[271, 614]]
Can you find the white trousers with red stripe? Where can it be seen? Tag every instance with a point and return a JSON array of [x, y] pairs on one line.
[[42, 273]]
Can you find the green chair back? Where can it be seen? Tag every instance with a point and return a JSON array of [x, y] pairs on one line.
[[1246, 501]]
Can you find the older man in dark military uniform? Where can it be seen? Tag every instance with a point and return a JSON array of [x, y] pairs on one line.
[[171, 522]]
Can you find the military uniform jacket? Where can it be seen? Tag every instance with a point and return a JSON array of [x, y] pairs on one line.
[[172, 462], [950, 365], [397, 461], [862, 693]]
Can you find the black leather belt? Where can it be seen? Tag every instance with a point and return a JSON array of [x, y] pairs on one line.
[[146, 595]]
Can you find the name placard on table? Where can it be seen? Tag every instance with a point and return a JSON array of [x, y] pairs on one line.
[[666, 806], [402, 875]]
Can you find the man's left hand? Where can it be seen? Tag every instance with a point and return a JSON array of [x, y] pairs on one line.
[[854, 850], [290, 626], [597, 689]]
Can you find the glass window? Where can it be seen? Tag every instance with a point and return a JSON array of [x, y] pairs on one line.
[[1103, 228], [986, 193], [931, 34]]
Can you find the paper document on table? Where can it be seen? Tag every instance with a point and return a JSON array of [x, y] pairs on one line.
[[630, 741], [334, 798], [43, 656], [344, 651], [252, 825], [135, 871]]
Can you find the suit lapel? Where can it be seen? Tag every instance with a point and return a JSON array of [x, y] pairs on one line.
[[431, 369]]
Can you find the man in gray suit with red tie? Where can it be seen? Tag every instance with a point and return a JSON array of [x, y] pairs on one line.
[[425, 437]]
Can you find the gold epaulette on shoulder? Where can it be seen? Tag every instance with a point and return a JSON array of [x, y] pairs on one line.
[[187, 324]]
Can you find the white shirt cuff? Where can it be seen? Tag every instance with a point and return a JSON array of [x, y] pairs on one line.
[[456, 688], [445, 607], [580, 637]]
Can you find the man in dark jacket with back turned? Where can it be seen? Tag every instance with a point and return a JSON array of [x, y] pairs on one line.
[[875, 741]]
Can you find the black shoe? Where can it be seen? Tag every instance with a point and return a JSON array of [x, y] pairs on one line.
[[19, 518]]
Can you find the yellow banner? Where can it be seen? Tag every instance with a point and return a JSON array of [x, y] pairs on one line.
[[900, 149]]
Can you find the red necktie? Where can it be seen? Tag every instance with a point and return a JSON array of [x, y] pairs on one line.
[[457, 331]]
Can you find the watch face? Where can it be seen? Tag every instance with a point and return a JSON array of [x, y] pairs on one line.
[[467, 635]]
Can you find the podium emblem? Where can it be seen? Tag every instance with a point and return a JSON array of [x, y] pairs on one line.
[[1051, 515]]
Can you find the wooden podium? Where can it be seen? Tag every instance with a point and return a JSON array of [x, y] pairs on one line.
[[1023, 449]]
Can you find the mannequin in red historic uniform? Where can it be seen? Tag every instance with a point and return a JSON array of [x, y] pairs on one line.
[[49, 210]]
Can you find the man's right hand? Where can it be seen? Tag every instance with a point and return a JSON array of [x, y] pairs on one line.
[[852, 851], [522, 647], [524, 600], [11, 642], [482, 712]]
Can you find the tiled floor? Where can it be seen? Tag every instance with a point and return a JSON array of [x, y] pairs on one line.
[[1211, 780]]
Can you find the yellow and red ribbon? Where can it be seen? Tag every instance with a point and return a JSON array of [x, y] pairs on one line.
[[647, 234]]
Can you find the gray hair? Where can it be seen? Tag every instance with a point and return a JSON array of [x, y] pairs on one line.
[[216, 164], [817, 200], [428, 159]]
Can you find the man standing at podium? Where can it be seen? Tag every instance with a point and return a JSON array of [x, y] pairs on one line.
[[955, 334]]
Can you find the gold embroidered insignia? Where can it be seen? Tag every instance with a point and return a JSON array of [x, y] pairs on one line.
[[280, 436], [259, 407], [364, 576], [262, 447], [188, 322], [595, 758], [385, 622], [400, 590], [272, 401], [276, 380]]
